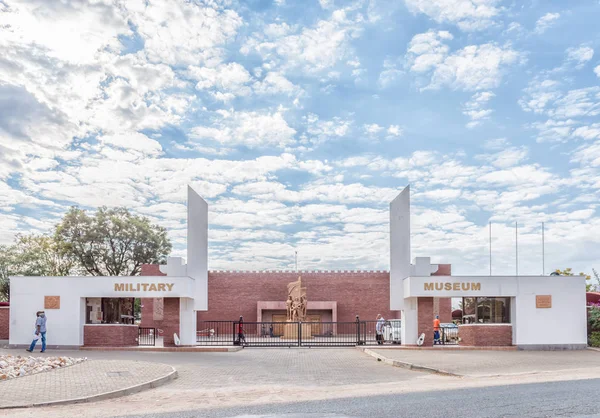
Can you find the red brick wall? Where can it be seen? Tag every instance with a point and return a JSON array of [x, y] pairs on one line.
[[110, 335], [4, 322], [148, 303], [234, 294], [170, 323], [485, 335], [425, 319]]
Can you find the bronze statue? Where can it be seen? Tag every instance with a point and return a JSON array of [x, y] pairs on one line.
[[296, 302]]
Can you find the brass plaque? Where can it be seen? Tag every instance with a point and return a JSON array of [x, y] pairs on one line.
[[543, 301], [51, 302]]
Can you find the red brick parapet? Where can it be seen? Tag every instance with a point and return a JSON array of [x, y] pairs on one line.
[[4, 322], [110, 335], [485, 335]]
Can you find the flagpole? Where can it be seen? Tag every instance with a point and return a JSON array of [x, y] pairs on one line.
[[517, 247], [490, 248], [543, 253]]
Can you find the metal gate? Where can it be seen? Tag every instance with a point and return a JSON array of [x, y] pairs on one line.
[[146, 336], [288, 334]]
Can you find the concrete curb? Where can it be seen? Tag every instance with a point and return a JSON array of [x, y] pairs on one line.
[[406, 365], [106, 395], [593, 349]]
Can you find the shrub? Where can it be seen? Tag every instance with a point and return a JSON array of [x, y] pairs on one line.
[[594, 317], [595, 339]]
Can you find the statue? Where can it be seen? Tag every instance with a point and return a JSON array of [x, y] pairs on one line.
[[296, 305], [296, 302]]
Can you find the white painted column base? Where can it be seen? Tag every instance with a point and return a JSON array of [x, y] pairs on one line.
[[410, 319], [187, 322]]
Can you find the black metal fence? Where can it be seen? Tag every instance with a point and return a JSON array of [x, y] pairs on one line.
[[449, 335], [297, 334], [147, 336], [215, 332]]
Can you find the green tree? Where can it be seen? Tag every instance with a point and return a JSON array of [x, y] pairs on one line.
[[568, 272], [112, 242], [8, 267]]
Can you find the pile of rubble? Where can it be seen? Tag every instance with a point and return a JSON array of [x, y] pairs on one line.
[[17, 366]]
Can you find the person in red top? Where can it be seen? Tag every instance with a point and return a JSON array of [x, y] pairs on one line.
[[436, 330]]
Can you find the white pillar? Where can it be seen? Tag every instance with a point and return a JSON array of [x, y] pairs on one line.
[[410, 322], [187, 321]]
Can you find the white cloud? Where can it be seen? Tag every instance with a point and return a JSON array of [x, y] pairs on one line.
[[546, 97], [320, 131], [475, 67], [468, 15], [188, 33], [251, 129], [476, 110], [311, 49], [588, 132], [545, 22], [276, 83], [597, 70], [326, 4], [372, 129], [389, 75], [133, 141], [580, 55], [427, 50], [509, 157], [395, 130], [225, 78]]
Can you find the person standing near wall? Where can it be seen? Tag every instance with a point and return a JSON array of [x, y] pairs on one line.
[[40, 331], [379, 328], [436, 330]]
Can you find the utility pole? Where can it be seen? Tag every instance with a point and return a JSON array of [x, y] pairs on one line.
[[517, 247]]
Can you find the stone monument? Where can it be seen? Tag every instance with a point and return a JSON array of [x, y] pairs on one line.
[[296, 312]]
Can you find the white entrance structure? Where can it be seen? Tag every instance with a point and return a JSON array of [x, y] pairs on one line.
[[66, 320], [546, 312]]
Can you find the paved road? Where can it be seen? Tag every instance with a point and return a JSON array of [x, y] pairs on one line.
[[486, 363], [565, 399]]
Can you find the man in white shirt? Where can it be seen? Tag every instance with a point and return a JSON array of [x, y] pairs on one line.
[[40, 331]]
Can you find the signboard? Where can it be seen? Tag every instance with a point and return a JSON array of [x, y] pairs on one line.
[[51, 302], [543, 301]]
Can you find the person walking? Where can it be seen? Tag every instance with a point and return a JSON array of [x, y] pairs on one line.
[[241, 336], [40, 331], [436, 330], [379, 329]]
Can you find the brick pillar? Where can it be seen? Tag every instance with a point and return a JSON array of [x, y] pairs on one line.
[[170, 323], [4, 322], [426, 317], [445, 311]]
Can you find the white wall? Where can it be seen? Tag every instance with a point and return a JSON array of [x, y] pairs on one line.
[[399, 247], [565, 323], [490, 286], [197, 248], [65, 325]]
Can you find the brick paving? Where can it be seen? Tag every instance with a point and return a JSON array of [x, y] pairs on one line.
[[90, 378], [490, 363]]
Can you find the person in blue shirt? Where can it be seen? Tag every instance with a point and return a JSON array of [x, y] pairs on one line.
[[40, 330]]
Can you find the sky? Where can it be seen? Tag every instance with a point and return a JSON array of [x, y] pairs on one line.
[[299, 121]]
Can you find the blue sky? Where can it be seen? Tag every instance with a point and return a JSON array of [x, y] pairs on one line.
[[300, 121]]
